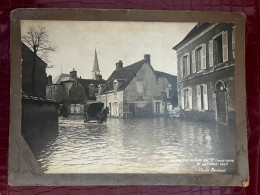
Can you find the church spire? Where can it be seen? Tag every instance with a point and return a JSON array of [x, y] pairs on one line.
[[95, 70]]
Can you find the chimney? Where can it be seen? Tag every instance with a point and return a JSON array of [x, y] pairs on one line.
[[147, 58], [100, 88], [73, 74], [119, 65], [99, 77], [92, 90], [49, 80]]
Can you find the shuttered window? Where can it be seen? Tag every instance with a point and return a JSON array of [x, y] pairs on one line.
[[181, 67], [225, 45], [202, 97], [187, 98], [211, 62], [188, 64], [218, 50], [182, 100], [205, 97], [203, 61], [198, 97], [193, 61], [185, 64], [190, 99], [198, 56]]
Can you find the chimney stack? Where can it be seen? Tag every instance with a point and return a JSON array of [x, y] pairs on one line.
[[73, 74], [49, 80], [119, 65], [147, 58], [92, 90], [99, 77]]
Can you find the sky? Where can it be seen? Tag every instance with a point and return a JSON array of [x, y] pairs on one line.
[[76, 41]]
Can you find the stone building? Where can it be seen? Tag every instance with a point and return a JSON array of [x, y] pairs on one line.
[[206, 67], [168, 85], [136, 90], [73, 92]]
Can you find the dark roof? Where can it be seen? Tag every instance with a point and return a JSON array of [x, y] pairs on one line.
[[58, 78], [27, 49], [123, 76], [196, 30], [86, 82], [171, 78]]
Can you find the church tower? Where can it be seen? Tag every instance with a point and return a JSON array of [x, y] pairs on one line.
[[96, 72]]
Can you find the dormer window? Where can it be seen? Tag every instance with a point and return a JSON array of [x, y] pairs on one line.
[[115, 85], [99, 89]]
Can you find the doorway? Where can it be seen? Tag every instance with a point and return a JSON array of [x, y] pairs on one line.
[[221, 103]]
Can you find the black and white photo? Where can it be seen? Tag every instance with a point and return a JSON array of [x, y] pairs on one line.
[[129, 97]]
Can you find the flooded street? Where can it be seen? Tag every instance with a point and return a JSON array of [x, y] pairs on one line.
[[135, 146]]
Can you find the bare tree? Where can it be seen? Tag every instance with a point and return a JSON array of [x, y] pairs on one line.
[[37, 39]]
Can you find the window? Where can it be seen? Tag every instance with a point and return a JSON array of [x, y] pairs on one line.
[[198, 55], [199, 58], [115, 85], [202, 97], [186, 98], [157, 107], [185, 64], [219, 46], [218, 57]]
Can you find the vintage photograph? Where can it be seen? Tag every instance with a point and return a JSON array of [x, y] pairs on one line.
[[129, 97]]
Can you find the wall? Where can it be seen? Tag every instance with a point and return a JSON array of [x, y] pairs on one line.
[[38, 116], [77, 94], [40, 74], [141, 92], [164, 85], [67, 86], [56, 92], [115, 103]]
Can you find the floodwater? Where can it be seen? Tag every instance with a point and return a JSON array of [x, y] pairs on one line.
[[153, 145]]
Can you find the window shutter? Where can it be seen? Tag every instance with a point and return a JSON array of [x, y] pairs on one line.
[[215, 52], [198, 97], [233, 40], [190, 98], [211, 53], [182, 99], [203, 57], [181, 67], [188, 64], [225, 46], [193, 61], [205, 93]]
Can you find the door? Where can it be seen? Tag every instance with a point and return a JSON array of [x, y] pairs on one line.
[[221, 103], [132, 109], [157, 108]]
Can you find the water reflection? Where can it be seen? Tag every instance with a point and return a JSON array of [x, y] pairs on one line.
[[133, 146]]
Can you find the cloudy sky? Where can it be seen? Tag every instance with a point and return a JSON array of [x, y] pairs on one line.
[[76, 42]]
